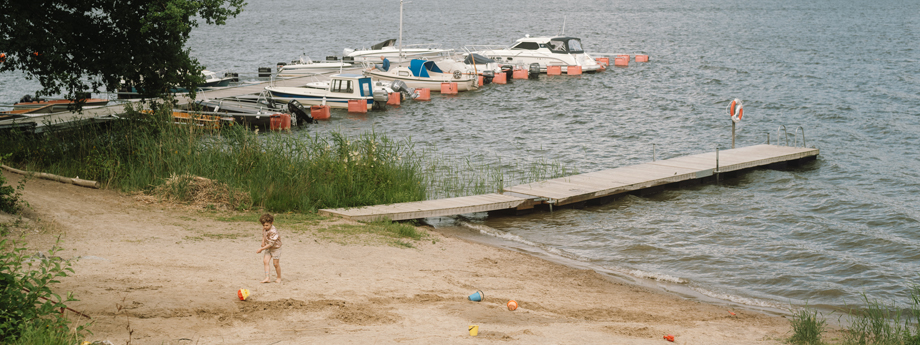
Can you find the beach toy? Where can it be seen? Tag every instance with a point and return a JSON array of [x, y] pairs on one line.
[[474, 330], [669, 338], [512, 305], [477, 296], [243, 294]]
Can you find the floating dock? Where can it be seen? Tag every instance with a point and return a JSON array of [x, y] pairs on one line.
[[594, 186], [37, 123]]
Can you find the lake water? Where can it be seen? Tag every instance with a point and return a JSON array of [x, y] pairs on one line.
[[846, 71]]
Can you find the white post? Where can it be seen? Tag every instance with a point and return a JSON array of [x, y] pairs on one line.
[[733, 134]]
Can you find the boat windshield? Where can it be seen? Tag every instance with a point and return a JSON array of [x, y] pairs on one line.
[[566, 45]]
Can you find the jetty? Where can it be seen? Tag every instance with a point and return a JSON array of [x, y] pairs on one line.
[[39, 122], [598, 186]]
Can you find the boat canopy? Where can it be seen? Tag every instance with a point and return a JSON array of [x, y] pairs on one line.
[[420, 68], [478, 58], [388, 43], [566, 45]]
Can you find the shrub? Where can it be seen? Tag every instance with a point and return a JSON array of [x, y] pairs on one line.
[[26, 299]]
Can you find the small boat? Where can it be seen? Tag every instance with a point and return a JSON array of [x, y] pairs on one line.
[[429, 74], [545, 51], [389, 50], [306, 66], [212, 80], [54, 105], [335, 93]]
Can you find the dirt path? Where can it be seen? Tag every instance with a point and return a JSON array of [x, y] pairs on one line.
[[174, 273]]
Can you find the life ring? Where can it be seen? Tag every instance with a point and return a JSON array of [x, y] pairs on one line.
[[736, 110], [457, 74]]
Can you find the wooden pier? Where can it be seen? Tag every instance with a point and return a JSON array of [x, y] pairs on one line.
[[37, 122], [591, 186]]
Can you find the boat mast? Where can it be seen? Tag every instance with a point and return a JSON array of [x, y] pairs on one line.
[[400, 30]]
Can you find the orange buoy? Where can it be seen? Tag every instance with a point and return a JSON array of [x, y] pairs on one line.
[[479, 81], [320, 112], [357, 106], [604, 61], [500, 78], [512, 305], [449, 88], [641, 58], [573, 70], [621, 62], [2, 57], [553, 70], [520, 73], [394, 98], [424, 94], [278, 122]]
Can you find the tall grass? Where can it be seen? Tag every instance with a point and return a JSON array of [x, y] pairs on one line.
[[807, 326], [875, 323], [279, 171]]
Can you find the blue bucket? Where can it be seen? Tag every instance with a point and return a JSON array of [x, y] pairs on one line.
[[477, 296]]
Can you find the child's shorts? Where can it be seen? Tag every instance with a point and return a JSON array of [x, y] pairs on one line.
[[275, 253]]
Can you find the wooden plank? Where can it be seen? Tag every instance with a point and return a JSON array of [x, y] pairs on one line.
[[429, 208]]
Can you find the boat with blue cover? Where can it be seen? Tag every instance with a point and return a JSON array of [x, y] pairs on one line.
[[429, 74]]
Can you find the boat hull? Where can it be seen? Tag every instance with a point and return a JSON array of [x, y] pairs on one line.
[[463, 84], [57, 105], [306, 97]]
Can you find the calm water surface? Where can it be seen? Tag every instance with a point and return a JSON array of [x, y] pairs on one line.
[[846, 71]]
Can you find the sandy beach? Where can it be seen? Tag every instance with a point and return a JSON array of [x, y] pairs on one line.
[[156, 273]]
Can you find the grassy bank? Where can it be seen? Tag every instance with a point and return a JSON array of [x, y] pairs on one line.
[[275, 171], [278, 172]]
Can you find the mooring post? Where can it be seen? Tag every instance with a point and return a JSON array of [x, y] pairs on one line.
[[717, 159], [654, 152], [733, 135]]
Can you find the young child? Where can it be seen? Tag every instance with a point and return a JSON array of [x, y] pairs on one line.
[[271, 244]]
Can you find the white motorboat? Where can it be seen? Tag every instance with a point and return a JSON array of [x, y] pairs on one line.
[[481, 65], [306, 66], [429, 74], [389, 50], [546, 51], [211, 79], [336, 93]]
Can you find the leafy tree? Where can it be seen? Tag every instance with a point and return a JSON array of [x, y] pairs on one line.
[[78, 46]]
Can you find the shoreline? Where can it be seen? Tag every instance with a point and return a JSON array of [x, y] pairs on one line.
[[662, 286], [170, 275]]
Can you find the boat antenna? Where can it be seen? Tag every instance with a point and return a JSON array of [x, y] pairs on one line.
[[563, 26], [400, 30]]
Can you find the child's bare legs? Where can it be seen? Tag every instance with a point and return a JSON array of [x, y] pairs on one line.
[[277, 270], [266, 259]]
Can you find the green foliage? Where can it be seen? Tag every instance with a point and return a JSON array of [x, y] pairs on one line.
[[81, 46], [26, 298], [279, 171], [807, 326], [45, 332], [9, 196], [878, 323]]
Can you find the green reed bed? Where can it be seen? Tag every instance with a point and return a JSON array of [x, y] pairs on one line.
[[280, 172], [276, 171], [874, 323]]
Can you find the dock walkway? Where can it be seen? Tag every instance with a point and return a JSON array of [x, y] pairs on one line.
[[36, 123], [588, 186]]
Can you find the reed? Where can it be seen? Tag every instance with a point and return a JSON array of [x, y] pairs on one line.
[[275, 171], [880, 323], [807, 326], [280, 172]]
